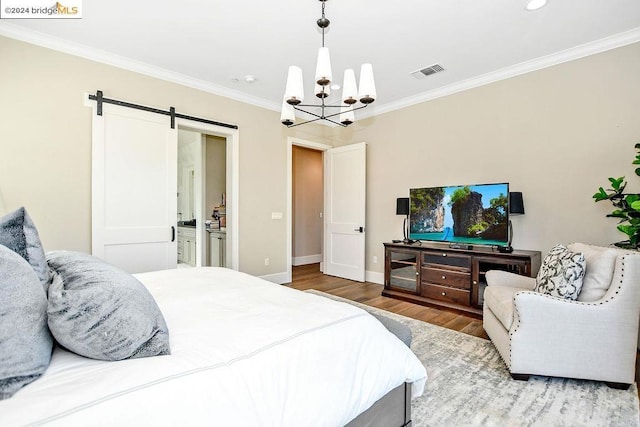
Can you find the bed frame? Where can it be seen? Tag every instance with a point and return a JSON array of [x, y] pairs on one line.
[[391, 410]]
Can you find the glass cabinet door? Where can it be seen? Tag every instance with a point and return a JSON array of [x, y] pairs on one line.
[[403, 271]]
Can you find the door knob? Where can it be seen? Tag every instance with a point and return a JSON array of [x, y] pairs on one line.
[[359, 229]]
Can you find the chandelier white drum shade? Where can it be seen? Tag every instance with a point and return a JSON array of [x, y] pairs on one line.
[[340, 112]]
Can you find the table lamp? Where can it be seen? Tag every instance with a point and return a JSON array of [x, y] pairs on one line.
[[516, 207], [402, 208]]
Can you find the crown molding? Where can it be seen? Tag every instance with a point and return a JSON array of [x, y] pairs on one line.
[[34, 37], [587, 49], [40, 39]]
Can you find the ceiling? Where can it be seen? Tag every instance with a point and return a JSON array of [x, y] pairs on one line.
[[208, 44]]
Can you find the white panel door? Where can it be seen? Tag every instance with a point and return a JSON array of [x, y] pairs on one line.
[[134, 189], [345, 186]]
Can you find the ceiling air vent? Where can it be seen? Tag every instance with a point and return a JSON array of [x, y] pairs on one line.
[[424, 72]]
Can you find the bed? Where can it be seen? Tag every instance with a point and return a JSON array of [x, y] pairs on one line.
[[244, 352]]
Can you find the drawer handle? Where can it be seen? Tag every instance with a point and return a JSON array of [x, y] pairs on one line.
[[417, 274], [444, 254], [444, 277], [444, 294]]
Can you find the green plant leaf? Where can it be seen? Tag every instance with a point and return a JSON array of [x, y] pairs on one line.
[[601, 195], [630, 198], [616, 182], [628, 230], [638, 171], [635, 205]]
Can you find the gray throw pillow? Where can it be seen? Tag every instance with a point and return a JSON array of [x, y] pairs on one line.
[[99, 311], [561, 273], [18, 233], [25, 341]]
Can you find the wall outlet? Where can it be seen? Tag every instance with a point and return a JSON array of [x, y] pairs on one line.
[[375, 259], [266, 262]]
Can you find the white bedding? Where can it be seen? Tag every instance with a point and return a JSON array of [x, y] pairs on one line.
[[245, 352]]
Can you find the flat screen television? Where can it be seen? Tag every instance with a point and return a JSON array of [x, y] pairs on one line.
[[462, 214]]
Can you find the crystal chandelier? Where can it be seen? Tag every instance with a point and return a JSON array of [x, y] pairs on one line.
[[340, 114]]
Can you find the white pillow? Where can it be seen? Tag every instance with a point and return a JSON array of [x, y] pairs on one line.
[[599, 270], [561, 273]]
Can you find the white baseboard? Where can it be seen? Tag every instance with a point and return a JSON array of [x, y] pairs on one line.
[[278, 278], [308, 259], [374, 277]]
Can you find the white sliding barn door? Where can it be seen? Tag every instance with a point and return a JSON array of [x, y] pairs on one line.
[[345, 186], [134, 189]]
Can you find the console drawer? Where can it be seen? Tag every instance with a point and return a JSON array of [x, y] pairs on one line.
[[460, 261], [444, 293], [456, 279]]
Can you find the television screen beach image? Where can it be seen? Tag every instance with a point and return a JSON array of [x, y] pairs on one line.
[[470, 214]]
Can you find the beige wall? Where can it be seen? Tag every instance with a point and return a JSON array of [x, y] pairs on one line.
[[45, 147], [555, 134], [307, 201], [216, 172]]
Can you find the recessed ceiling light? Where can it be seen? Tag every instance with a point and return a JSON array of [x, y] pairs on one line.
[[535, 4], [249, 78]]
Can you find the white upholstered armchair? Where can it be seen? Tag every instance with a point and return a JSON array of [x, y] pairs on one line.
[[592, 338]]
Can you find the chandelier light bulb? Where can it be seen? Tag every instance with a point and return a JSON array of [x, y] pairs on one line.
[[322, 91], [346, 115], [349, 88], [367, 90], [288, 115], [323, 67], [294, 92]]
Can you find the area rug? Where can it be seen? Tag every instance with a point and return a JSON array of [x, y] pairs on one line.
[[469, 385]]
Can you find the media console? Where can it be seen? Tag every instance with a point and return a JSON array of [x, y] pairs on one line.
[[438, 275]]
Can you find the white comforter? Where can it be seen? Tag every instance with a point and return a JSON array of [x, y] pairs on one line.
[[245, 352]]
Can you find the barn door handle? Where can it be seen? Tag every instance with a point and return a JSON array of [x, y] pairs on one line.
[[359, 229], [173, 233]]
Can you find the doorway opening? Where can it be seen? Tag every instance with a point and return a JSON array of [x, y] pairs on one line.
[[307, 206], [208, 234], [201, 199], [305, 203]]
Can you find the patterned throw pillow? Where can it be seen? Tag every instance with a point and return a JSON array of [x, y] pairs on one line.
[[561, 273]]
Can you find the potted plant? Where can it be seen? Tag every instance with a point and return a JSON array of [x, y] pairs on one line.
[[627, 207]]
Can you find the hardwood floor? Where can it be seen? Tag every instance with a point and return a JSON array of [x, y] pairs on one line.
[[309, 277]]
